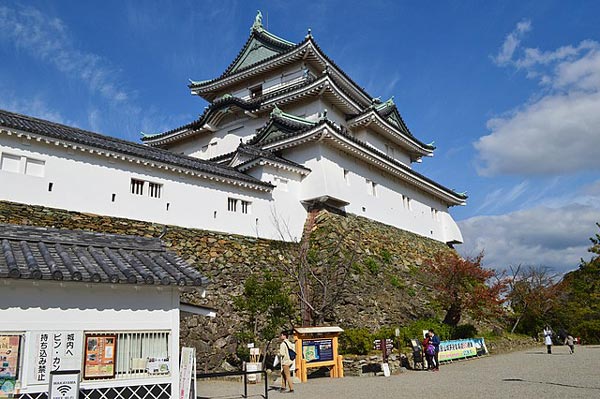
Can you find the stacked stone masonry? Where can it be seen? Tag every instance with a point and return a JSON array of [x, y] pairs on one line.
[[382, 289]]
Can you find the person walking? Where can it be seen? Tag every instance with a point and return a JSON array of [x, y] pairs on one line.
[[569, 340], [286, 361], [548, 339], [435, 341]]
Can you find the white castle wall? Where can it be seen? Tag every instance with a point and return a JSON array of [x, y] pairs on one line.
[[85, 182]]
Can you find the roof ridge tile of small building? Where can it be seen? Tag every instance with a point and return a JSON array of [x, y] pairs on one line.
[[37, 253]]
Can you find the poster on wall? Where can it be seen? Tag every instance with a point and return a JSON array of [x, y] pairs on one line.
[[9, 363], [100, 353], [317, 350], [55, 351]]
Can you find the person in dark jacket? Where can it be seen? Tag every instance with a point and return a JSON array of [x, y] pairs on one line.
[[435, 341], [429, 351]]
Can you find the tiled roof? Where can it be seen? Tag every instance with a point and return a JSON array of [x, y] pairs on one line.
[[228, 101], [98, 141], [37, 253], [256, 153], [343, 132]]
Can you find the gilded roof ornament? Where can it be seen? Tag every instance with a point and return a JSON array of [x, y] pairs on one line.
[[257, 25]]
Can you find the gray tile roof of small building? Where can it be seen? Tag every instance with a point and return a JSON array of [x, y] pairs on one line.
[[79, 136], [37, 253]]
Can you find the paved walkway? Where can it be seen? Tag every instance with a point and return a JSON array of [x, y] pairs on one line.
[[527, 374]]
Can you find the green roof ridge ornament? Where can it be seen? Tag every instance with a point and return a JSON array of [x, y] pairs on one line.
[[309, 33], [257, 25], [432, 144], [276, 112], [390, 101]]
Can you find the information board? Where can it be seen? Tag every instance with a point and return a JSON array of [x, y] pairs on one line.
[[9, 362], [317, 350], [100, 352]]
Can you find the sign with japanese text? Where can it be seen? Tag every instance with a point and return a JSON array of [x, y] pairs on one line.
[[187, 373], [64, 384], [9, 362], [317, 350], [100, 354], [55, 351]]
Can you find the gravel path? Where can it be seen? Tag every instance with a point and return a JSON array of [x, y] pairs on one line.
[[527, 374]]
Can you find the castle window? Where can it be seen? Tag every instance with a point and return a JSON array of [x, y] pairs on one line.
[[137, 187], [347, 177], [22, 165], [406, 202], [154, 189], [34, 167], [281, 184], [10, 163], [256, 91], [246, 206], [232, 204], [371, 187]]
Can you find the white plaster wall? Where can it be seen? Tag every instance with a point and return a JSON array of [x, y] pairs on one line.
[[27, 306], [377, 141], [327, 178], [287, 212], [85, 182]]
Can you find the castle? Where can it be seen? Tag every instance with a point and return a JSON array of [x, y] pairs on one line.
[[286, 130]]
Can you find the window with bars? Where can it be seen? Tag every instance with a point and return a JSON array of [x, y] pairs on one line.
[[141, 354], [246, 206], [154, 189], [137, 187], [232, 204]]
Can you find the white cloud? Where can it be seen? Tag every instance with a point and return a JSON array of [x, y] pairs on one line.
[[559, 131], [501, 197], [48, 40], [556, 238], [512, 41]]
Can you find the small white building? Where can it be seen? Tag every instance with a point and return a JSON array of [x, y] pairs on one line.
[[107, 305], [286, 130]]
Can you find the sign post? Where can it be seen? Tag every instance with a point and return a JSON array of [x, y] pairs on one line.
[[64, 384], [187, 373]]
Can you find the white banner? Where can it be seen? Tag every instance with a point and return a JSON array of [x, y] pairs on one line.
[[55, 351]]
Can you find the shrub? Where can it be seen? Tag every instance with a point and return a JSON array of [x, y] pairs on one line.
[[386, 256], [372, 265], [464, 331], [356, 341]]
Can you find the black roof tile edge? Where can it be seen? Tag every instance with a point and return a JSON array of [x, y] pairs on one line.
[[108, 143]]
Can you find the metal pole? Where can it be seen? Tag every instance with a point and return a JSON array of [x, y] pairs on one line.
[[266, 385], [245, 385]]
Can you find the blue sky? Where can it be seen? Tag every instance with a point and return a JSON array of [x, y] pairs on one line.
[[509, 91]]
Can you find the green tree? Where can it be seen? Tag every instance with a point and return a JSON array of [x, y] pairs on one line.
[[267, 306], [579, 310]]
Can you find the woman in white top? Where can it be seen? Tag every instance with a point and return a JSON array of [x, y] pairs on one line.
[[548, 339]]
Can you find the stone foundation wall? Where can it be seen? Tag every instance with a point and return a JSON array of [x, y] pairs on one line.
[[382, 289]]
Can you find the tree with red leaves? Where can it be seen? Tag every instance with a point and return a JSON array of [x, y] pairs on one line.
[[462, 285]]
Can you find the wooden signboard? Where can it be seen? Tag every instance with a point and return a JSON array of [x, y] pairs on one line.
[[318, 347], [100, 356]]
